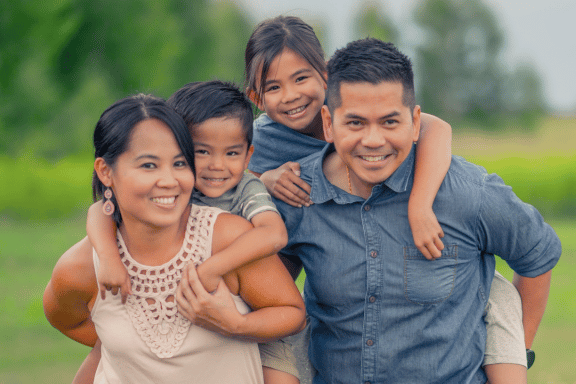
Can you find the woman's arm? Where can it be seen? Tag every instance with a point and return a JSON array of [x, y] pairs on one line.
[[433, 156], [71, 292], [265, 285]]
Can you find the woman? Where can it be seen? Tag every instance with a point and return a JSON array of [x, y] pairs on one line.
[[143, 168]]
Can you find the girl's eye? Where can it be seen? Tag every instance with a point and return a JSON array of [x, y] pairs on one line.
[[271, 88]]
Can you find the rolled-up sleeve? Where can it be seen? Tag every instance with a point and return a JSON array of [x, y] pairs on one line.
[[515, 230]]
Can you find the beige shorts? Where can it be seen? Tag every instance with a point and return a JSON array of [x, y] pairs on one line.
[[280, 356]]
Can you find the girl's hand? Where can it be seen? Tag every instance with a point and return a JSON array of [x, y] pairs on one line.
[[284, 183], [215, 312], [113, 277], [426, 231]]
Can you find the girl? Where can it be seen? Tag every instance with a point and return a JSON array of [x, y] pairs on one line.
[[286, 78], [143, 168]]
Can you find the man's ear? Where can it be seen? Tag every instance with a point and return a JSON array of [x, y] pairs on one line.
[[327, 124], [325, 77], [416, 122], [248, 156], [253, 96], [103, 171]]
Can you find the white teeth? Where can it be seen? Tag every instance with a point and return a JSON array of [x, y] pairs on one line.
[[164, 200], [296, 110], [373, 158], [215, 180]]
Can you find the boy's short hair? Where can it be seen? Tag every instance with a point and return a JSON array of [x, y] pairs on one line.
[[373, 61], [203, 100]]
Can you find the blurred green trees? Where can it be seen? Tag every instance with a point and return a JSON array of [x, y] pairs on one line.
[[62, 62]]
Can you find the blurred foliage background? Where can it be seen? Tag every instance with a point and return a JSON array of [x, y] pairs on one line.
[[62, 62]]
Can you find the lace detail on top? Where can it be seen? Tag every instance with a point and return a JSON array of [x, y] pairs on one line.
[[152, 306]]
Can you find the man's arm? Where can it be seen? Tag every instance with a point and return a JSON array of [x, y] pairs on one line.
[[534, 293]]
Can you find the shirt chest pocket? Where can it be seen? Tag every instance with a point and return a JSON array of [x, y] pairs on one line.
[[429, 281]]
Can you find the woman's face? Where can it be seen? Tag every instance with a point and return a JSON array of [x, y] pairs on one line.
[[151, 180]]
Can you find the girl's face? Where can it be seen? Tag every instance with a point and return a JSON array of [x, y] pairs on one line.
[[294, 93], [151, 180]]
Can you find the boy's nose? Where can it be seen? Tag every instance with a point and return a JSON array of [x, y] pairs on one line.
[[216, 162]]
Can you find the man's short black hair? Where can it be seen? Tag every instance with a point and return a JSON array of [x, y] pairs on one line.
[[373, 61]]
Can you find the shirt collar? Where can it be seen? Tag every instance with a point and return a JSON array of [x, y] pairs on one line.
[[322, 190]]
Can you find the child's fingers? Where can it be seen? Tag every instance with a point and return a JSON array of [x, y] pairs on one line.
[[103, 290]]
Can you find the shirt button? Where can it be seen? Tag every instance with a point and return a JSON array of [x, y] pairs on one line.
[[367, 207], [373, 254], [369, 343], [372, 299]]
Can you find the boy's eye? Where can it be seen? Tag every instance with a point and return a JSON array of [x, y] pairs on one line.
[[232, 153], [200, 152]]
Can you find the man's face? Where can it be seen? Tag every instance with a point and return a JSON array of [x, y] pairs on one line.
[[372, 131]]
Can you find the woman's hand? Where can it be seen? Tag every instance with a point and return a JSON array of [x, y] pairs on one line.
[[284, 183], [214, 311]]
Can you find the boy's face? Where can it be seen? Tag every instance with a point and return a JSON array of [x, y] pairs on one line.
[[221, 155], [372, 131]]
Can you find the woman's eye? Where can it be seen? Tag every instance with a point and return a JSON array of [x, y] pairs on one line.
[[180, 164], [148, 165]]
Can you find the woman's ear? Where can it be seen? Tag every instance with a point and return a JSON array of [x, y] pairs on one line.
[[103, 171], [253, 96]]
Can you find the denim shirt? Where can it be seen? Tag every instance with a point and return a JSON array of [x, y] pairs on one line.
[[379, 311], [276, 144]]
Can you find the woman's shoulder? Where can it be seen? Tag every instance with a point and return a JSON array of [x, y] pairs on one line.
[[75, 269]]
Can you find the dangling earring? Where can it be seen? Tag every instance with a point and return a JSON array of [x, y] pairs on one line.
[[108, 206]]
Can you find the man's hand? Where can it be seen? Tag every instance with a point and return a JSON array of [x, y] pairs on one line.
[[216, 312], [426, 231], [113, 277], [284, 183]]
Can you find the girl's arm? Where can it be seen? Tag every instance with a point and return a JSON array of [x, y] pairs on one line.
[[70, 292], [87, 370], [284, 183], [433, 156], [266, 238], [265, 285], [112, 275]]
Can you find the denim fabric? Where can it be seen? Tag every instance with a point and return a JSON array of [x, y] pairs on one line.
[[276, 144], [380, 312]]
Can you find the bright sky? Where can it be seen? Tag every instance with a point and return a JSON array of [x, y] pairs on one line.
[[541, 32]]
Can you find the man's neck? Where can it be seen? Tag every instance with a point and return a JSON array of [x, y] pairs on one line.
[[338, 175]]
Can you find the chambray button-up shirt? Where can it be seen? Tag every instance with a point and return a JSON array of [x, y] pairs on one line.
[[379, 311]]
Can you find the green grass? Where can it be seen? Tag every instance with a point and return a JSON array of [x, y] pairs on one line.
[[33, 352]]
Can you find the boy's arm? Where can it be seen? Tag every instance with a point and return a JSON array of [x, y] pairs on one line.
[[534, 293], [433, 156], [266, 238], [112, 275], [284, 183]]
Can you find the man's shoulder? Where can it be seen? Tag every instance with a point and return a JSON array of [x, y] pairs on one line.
[[464, 170]]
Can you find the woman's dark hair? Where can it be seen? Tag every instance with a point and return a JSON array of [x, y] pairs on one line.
[[270, 38], [113, 132], [204, 100]]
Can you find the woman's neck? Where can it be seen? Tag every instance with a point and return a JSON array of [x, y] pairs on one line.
[[150, 245]]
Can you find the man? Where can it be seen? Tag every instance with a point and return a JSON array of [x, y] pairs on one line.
[[379, 311]]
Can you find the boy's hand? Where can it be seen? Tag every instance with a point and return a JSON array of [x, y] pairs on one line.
[[284, 183], [209, 278], [426, 231], [113, 276]]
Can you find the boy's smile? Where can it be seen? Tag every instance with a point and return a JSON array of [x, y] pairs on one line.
[[221, 155]]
